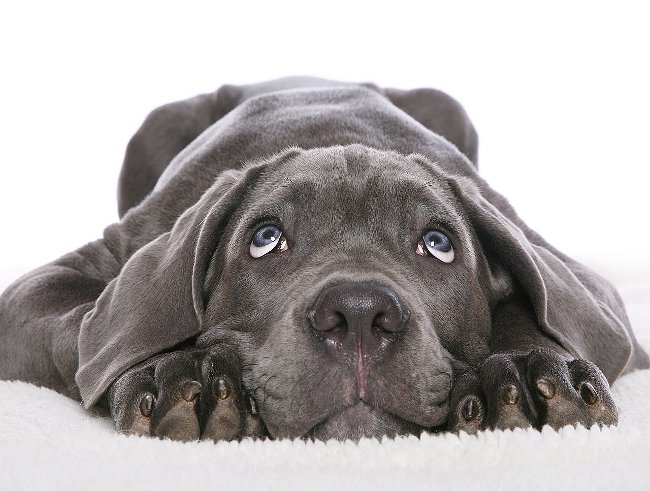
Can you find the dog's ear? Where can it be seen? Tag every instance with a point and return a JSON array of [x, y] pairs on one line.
[[166, 131], [441, 114], [574, 306], [157, 300]]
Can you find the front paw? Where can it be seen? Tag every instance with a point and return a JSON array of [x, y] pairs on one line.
[[184, 395], [515, 390]]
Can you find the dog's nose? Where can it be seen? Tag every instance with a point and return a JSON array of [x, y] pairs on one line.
[[358, 315]]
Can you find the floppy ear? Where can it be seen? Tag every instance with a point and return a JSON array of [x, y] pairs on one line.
[[577, 308], [157, 301], [164, 133], [441, 114]]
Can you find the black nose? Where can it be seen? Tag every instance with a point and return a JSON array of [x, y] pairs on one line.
[[358, 315]]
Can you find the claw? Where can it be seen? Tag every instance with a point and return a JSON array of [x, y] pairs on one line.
[[222, 389], [191, 390], [588, 393], [252, 405], [146, 404], [509, 394], [545, 388], [470, 409]]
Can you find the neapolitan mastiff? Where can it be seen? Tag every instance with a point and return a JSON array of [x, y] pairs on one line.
[[305, 258]]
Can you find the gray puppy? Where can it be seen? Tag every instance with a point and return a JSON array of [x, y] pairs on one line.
[[305, 258]]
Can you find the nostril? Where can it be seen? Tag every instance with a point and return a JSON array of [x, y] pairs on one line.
[[334, 322], [389, 322], [327, 320], [382, 322]]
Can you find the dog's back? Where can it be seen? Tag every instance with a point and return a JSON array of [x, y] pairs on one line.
[[169, 129]]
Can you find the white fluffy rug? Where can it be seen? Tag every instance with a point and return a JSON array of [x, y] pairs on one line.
[[49, 442]]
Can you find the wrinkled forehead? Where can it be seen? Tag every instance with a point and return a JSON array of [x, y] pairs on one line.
[[355, 184]]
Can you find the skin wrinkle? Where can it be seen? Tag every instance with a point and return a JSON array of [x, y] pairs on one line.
[[260, 389], [331, 394]]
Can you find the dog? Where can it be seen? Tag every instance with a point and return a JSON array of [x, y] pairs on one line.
[[305, 258]]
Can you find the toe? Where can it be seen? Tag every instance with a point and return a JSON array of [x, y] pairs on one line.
[[179, 423], [176, 417], [224, 418], [509, 402], [132, 399], [593, 390], [557, 402], [467, 405], [224, 411], [227, 412]]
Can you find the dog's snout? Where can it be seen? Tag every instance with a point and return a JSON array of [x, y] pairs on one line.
[[358, 315]]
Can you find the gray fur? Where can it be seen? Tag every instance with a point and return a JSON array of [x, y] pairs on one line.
[[354, 174]]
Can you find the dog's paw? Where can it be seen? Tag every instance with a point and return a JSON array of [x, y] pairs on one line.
[[534, 389], [184, 395]]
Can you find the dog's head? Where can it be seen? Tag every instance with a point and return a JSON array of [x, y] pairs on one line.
[[351, 280], [353, 283]]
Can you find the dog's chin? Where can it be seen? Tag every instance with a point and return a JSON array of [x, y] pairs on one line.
[[362, 421]]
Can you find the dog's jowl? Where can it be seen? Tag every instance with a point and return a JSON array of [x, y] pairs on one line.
[[306, 258]]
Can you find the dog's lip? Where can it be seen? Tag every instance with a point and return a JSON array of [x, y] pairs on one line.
[[441, 404], [361, 403], [336, 413]]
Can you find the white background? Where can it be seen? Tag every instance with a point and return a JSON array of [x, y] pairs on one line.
[[557, 90]]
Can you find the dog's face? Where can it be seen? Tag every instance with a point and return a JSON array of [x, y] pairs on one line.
[[350, 280]]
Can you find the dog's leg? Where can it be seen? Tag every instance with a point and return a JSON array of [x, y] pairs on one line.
[[41, 313], [529, 380], [185, 395]]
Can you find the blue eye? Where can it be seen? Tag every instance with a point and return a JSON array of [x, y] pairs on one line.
[[266, 239], [437, 244]]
